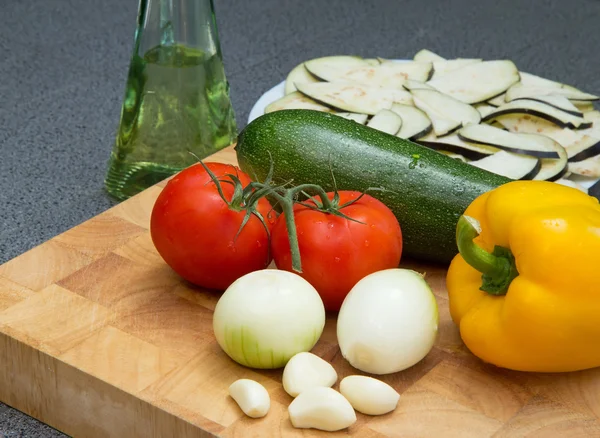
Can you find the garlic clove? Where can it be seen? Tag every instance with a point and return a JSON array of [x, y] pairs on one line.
[[321, 408], [252, 398], [368, 395], [306, 370]]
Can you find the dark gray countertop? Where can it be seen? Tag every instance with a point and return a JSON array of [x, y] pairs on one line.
[[63, 66]]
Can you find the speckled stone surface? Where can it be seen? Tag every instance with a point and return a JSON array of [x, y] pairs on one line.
[[63, 65]]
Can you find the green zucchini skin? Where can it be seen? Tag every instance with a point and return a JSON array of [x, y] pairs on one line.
[[426, 190]]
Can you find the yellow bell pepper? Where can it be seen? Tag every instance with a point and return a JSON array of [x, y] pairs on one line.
[[525, 287]]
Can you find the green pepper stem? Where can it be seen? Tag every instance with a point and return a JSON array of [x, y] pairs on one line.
[[498, 268]]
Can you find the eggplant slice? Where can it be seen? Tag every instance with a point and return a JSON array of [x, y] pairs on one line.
[[572, 184], [440, 68], [388, 74], [595, 190], [539, 109], [498, 100], [386, 121], [298, 74], [510, 165], [452, 143], [358, 118], [354, 98], [478, 82], [589, 167], [455, 156], [530, 144], [578, 144], [446, 113], [583, 106], [410, 85], [556, 101], [532, 80], [415, 122], [296, 100], [484, 108], [425, 55], [521, 90], [552, 169]]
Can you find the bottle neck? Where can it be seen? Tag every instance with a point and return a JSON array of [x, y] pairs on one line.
[[189, 23]]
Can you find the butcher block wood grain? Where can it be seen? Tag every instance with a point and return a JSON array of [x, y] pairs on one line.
[[99, 338]]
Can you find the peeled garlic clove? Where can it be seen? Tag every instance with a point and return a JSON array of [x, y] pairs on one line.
[[306, 370], [252, 398], [321, 408], [368, 395]]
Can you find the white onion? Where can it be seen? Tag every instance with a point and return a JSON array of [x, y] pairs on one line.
[[388, 322], [266, 317]]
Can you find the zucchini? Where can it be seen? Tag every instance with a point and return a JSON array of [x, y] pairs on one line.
[[427, 191]]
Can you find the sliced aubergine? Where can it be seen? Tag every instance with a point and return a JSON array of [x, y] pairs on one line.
[[298, 74], [388, 74], [372, 61], [358, 118], [455, 156], [532, 80], [589, 167], [521, 90], [440, 68], [386, 121], [341, 62], [570, 183], [539, 109], [582, 106], [410, 84], [296, 100], [415, 123], [578, 144], [556, 101], [514, 166], [498, 100], [592, 116], [594, 190], [537, 82], [478, 82], [354, 98], [425, 55], [554, 169], [452, 143], [530, 144], [446, 113], [484, 109]]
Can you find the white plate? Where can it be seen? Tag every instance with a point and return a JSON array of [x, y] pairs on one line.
[[278, 91]]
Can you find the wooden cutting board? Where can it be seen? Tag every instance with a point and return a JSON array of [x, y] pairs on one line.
[[99, 338]]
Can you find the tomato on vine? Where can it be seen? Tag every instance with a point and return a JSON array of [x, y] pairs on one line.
[[341, 238], [209, 227]]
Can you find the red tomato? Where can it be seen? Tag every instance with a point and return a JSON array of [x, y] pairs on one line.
[[193, 229], [336, 252]]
